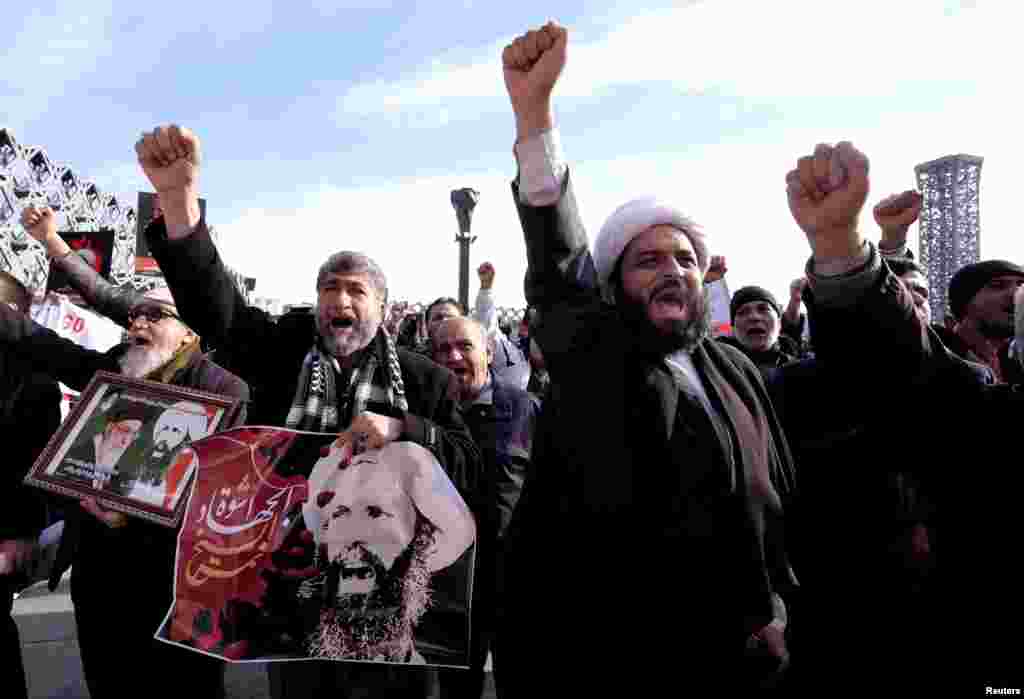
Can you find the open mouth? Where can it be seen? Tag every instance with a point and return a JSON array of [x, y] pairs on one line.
[[139, 341], [343, 323], [670, 296], [459, 371]]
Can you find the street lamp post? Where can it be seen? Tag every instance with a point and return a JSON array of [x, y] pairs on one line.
[[464, 200]]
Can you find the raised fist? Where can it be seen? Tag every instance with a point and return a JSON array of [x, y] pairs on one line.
[[716, 269], [796, 289], [40, 223], [532, 64], [895, 214], [170, 157], [826, 192], [486, 274]]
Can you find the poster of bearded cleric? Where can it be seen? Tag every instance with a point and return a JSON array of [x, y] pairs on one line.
[[127, 444], [293, 548]]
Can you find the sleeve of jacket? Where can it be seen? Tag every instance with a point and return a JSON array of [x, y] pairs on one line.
[[561, 280], [870, 332], [433, 421], [49, 353], [108, 300], [206, 296], [515, 462]]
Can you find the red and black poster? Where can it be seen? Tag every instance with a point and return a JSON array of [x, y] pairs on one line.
[[294, 549]]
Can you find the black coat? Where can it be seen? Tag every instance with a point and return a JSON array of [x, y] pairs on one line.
[[633, 542], [29, 415], [269, 355]]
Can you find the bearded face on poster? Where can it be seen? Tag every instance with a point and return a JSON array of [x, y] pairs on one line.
[[383, 522]]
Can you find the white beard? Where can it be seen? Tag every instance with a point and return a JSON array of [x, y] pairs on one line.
[[139, 362]]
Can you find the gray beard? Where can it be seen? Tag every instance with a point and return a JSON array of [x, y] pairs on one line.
[[139, 362], [361, 336]]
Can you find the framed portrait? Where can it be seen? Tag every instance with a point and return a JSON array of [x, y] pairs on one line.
[[128, 443]]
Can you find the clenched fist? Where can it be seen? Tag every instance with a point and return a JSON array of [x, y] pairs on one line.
[[171, 156], [40, 223], [895, 214], [826, 192], [796, 289], [717, 269], [532, 64], [486, 274]]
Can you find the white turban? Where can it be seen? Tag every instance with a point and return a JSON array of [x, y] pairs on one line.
[[630, 220]]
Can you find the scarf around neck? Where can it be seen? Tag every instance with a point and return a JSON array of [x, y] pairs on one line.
[[376, 377]]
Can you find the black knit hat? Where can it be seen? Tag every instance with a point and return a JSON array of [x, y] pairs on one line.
[[752, 293], [969, 280]]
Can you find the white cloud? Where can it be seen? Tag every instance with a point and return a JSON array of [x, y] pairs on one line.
[[737, 191], [50, 51], [794, 48]]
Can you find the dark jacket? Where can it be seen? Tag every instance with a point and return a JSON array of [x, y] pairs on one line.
[[44, 350], [269, 355], [503, 431], [635, 532], [886, 397], [29, 415], [772, 358]]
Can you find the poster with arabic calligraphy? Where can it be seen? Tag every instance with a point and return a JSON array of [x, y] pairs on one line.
[[294, 549]]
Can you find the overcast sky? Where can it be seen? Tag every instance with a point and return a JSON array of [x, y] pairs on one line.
[[329, 126]]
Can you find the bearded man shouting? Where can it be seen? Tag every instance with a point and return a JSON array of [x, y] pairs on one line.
[[103, 545]]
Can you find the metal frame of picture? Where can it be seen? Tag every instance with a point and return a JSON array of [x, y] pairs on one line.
[[127, 444]]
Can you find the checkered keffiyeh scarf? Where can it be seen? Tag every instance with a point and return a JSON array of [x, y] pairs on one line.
[[377, 379]]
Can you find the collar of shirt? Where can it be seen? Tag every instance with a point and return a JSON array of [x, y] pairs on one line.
[[687, 377]]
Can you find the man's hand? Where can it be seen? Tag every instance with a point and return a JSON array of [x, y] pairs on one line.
[[15, 555], [41, 224], [768, 646], [114, 520], [370, 431], [170, 157], [486, 274], [532, 64], [796, 290], [895, 214], [827, 191], [716, 269]]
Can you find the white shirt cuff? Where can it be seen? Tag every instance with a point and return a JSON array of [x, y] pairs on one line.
[[542, 169]]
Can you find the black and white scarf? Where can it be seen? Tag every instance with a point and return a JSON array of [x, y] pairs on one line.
[[377, 378]]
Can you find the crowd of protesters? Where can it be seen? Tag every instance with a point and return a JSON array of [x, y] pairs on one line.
[[661, 511]]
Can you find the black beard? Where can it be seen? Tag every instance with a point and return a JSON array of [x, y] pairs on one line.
[[680, 335], [381, 623]]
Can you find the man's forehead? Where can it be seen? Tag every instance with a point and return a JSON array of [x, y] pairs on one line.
[[457, 328], [660, 237], [346, 278], [754, 304]]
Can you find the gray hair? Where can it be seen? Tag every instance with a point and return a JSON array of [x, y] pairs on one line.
[[348, 262]]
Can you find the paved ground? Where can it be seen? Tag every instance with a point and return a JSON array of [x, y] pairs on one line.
[[47, 626]]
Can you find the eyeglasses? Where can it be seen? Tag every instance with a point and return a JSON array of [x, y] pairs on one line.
[[152, 314]]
